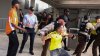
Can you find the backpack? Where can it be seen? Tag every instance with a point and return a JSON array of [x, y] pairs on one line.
[[83, 27]]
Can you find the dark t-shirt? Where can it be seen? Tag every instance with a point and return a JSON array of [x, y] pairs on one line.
[[21, 17]]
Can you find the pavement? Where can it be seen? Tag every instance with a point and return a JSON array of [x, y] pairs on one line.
[[37, 46]]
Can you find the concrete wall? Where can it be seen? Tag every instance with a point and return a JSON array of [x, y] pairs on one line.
[[4, 8]]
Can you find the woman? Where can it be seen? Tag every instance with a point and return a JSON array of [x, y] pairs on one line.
[[56, 41]]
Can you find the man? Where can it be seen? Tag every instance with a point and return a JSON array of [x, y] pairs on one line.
[[11, 26], [65, 17], [83, 35], [96, 43], [29, 21], [46, 30], [93, 34]]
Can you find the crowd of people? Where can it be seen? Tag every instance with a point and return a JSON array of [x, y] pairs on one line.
[[52, 33]]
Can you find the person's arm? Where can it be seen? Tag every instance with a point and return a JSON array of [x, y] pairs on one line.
[[36, 24], [65, 33], [46, 29], [12, 22], [25, 21], [97, 25], [46, 38], [18, 27], [90, 26]]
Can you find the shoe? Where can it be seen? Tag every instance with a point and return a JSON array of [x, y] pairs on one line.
[[65, 48], [74, 53], [84, 51], [20, 51], [32, 53]]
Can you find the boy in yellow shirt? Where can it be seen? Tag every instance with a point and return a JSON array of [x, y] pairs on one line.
[[56, 40]]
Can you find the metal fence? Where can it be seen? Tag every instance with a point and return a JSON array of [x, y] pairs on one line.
[[2, 24]]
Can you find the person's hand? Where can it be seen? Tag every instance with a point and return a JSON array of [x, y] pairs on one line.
[[43, 42], [24, 30], [21, 23], [70, 35]]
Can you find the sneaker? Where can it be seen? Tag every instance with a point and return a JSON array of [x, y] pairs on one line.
[[20, 51], [74, 53], [84, 51], [32, 53], [65, 48]]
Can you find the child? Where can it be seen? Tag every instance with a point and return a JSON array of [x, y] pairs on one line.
[[56, 40]]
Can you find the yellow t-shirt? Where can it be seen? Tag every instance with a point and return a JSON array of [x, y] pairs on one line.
[[56, 40], [93, 31], [12, 18]]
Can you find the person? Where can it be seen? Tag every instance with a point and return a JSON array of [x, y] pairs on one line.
[[39, 16], [44, 31], [49, 18], [29, 21], [21, 15], [96, 42], [83, 35], [44, 20], [65, 17], [93, 34], [11, 26], [56, 40]]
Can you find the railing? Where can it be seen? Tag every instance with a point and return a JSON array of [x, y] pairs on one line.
[[73, 30], [2, 23]]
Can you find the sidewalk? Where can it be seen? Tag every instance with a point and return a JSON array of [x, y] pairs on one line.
[[37, 46]]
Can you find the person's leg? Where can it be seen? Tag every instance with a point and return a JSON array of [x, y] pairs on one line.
[[65, 46], [32, 36], [92, 38], [9, 46], [80, 46], [54, 53], [45, 47], [63, 52], [94, 48], [14, 44], [25, 37]]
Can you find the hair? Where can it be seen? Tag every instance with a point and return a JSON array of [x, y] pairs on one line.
[[60, 17], [31, 8], [66, 10], [86, 17], [15, 2], [20, 9], [57, 25], [97, 17]]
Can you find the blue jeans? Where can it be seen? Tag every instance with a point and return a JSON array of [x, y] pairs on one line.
[[59, 52]]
